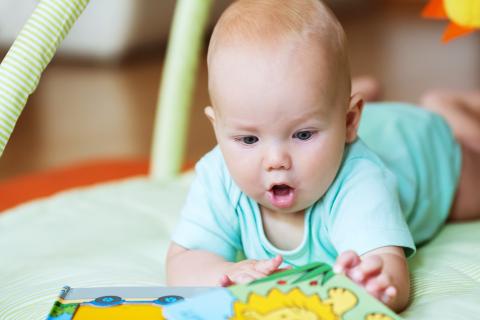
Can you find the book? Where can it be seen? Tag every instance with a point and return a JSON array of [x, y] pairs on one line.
[[312, 292]]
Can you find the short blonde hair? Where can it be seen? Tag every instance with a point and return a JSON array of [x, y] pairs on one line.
[[270, 21]]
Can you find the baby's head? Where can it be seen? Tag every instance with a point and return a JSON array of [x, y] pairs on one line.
[[279, 81]]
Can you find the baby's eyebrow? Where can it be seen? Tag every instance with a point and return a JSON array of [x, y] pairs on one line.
[[243, 127], [317, 114]]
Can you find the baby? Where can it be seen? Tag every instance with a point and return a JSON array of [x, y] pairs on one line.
[[291, 182]]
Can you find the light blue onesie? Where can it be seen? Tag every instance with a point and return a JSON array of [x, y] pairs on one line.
[[394, 188]]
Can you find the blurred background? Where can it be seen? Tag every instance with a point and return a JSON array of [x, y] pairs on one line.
[[96, 100]]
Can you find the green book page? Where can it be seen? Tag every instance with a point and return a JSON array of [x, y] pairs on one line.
[[310, 292]]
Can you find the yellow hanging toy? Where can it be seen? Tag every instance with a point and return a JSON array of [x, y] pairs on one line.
[[464, 16]]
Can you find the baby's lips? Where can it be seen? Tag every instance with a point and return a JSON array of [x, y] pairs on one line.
[[277, 184], [283, 199]]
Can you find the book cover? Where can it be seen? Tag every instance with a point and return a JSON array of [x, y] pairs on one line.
[[311, 292]]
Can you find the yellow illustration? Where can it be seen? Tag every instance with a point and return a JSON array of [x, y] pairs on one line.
[[295, 305], [120, 312], [464, 16]]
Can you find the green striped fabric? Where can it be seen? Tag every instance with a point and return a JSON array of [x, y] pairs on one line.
[[29, 55], [178, 84]]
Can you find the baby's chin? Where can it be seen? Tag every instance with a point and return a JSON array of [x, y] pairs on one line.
[[267, 207]]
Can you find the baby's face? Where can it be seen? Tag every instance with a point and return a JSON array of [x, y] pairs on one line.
[[280, 124]]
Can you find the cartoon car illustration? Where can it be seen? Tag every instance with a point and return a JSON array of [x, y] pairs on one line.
[[115, 307], [122, 305]]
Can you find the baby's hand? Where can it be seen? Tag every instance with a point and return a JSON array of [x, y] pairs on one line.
[[249, 270], [368, 272]]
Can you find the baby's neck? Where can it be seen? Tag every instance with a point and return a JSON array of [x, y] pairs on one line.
[[284, 230]]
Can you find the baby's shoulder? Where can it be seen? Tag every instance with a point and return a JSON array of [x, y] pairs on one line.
[[359, 158], [212, 172], [363, 182], [360, 171]]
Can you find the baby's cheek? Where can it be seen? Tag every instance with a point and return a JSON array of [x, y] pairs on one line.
[[251, 187], [250, 183], [315, 182], [244, 172]]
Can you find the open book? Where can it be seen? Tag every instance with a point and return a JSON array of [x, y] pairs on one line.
[[309, 292]]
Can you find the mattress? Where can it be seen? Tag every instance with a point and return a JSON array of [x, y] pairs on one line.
[[117, 234]]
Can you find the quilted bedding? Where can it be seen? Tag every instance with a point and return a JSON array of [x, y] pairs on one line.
[[117, 234]]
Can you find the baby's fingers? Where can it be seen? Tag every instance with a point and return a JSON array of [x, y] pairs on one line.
[[283, 269], [268, 266], [389, 294], [381, 287], [248, 276], [346, 260], [369, 267], [225, 281]]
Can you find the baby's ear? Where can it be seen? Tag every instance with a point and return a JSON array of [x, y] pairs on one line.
[[354, 113], [210, 113]]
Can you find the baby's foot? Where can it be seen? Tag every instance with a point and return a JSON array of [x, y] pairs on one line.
[[461, 109], [368, 86]]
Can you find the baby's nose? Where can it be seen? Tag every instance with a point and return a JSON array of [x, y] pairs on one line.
[[277, 159]]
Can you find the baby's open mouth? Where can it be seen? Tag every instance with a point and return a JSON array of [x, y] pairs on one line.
[[281, 195], [281, 190]]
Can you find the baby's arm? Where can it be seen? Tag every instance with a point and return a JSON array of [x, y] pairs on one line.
[[382, 272], [202, 268]]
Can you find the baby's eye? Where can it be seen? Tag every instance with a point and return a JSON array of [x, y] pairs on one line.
[[248, 139], [303, 135]]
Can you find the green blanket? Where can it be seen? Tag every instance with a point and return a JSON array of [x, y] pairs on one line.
[[117, 234]]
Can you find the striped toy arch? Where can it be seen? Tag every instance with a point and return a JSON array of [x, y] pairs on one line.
[[30, 54], [35, 46]]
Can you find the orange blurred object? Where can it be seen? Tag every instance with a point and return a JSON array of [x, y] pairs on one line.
[[43, 184], [25, 188], [464, 16]]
